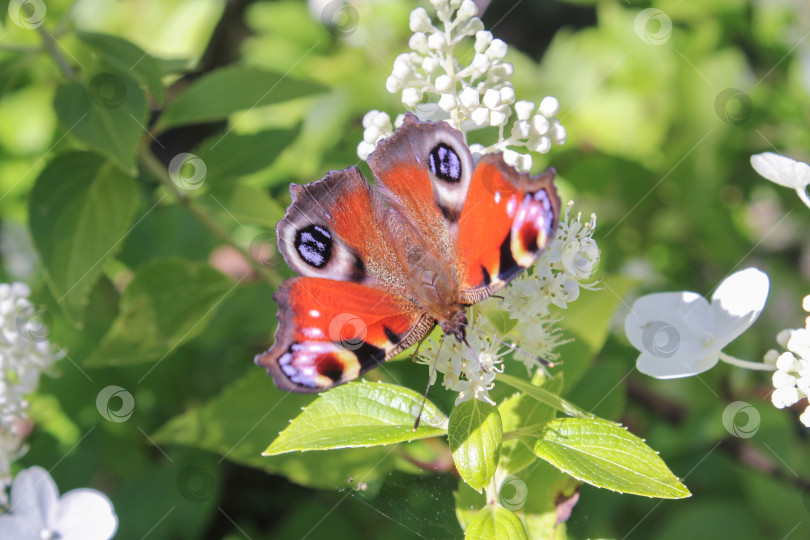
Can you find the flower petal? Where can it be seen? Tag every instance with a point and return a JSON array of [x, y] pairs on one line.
[[781, 169], [671, 368], [85, 514], [737, 303], [20, 527], [33, 496], [670, 325]]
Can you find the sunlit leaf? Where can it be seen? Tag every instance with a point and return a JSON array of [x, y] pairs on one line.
[[475, 436]]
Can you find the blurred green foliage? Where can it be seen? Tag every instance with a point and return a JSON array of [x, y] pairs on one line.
[[660, 134]]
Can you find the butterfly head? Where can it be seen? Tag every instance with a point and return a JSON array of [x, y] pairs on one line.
[[455, 324]]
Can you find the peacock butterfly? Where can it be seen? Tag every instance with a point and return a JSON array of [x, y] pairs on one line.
[[381, 265]]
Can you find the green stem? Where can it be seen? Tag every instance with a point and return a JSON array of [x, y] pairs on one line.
[[151, 163], [758, 366], [17, 48], [50, 45]]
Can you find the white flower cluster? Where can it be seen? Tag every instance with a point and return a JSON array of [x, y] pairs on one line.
[[527, 304], [25, 352], [791, 380], [467, 97]]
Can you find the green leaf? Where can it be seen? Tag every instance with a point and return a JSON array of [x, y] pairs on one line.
[[236, 423], [544, 396], [500, 320], [80, 212], [244, 203], [495, 523], [166, 304], [360, 415], [228, 90], [107, 114], [523, 411], [475, 434], [125, 56], [232, 155], [608, 456]]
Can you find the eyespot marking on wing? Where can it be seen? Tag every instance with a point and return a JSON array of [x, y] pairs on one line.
[[314, 245], [444, 163]]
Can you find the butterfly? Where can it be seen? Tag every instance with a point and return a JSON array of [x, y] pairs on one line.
[[381, 265]]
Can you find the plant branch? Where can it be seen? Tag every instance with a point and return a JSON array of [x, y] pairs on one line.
[[151, 163], [49, 42]]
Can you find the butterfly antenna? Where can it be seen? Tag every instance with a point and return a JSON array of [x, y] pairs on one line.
[[514, 347], [430, 378]]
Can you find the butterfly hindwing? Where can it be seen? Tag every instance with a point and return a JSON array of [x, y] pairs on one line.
[[331, 332], [508, 220]]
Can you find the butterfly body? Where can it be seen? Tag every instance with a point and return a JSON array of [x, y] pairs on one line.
[[381, 265]]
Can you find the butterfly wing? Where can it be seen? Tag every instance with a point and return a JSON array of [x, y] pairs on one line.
[[507, 221], [424, 172], [331, 332]]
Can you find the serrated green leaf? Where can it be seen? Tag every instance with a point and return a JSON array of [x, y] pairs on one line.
[[166, 304], [80, 212], [232, 155], [107, 114], [228, 90], [495, 523], [360, 415], [244, 203], [544, 396], [125, 56], [475, 434], [606, 455]]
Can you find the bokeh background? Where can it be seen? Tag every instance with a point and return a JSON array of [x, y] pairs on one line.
[[663, 110]]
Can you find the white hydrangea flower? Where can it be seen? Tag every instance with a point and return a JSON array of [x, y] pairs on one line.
[[784, 171], [680, 334], [791, 380], [469, 97], [529, 303], [25, 352], [39, 513]]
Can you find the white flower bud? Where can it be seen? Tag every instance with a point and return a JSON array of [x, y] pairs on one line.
[[502, 70], [466, 10], [507, 95], [437, 41], [364, 149], [510, 157], [393, 85], [524, 109], [470, 98], [803, 384], [398, 121], [806, 303], [785, 397], [783, 337], [521, 129], [771, 357], [492, 99], [497, 49], [418, 42], [429, 64], [454, 4], [420, 20], [804, 418], [540, 125], [448, 102], [402, 68], [482, 40], [783, 379], [371, 134], [480, 116], [786, 362], [477, 149], [558, 133], [369, 117], [549, 107], [470, 27], [497, 118], [540, 144], [411, 96], [444, 83], [524, 165], [480, 63]]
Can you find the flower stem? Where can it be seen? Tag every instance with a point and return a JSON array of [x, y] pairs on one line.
[[758, 366], [151, 163], [50, 45]]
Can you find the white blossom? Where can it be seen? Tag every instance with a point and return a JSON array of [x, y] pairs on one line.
[[679, 334], [473, 96], [791, 380], [39, 513], [784, 171]]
